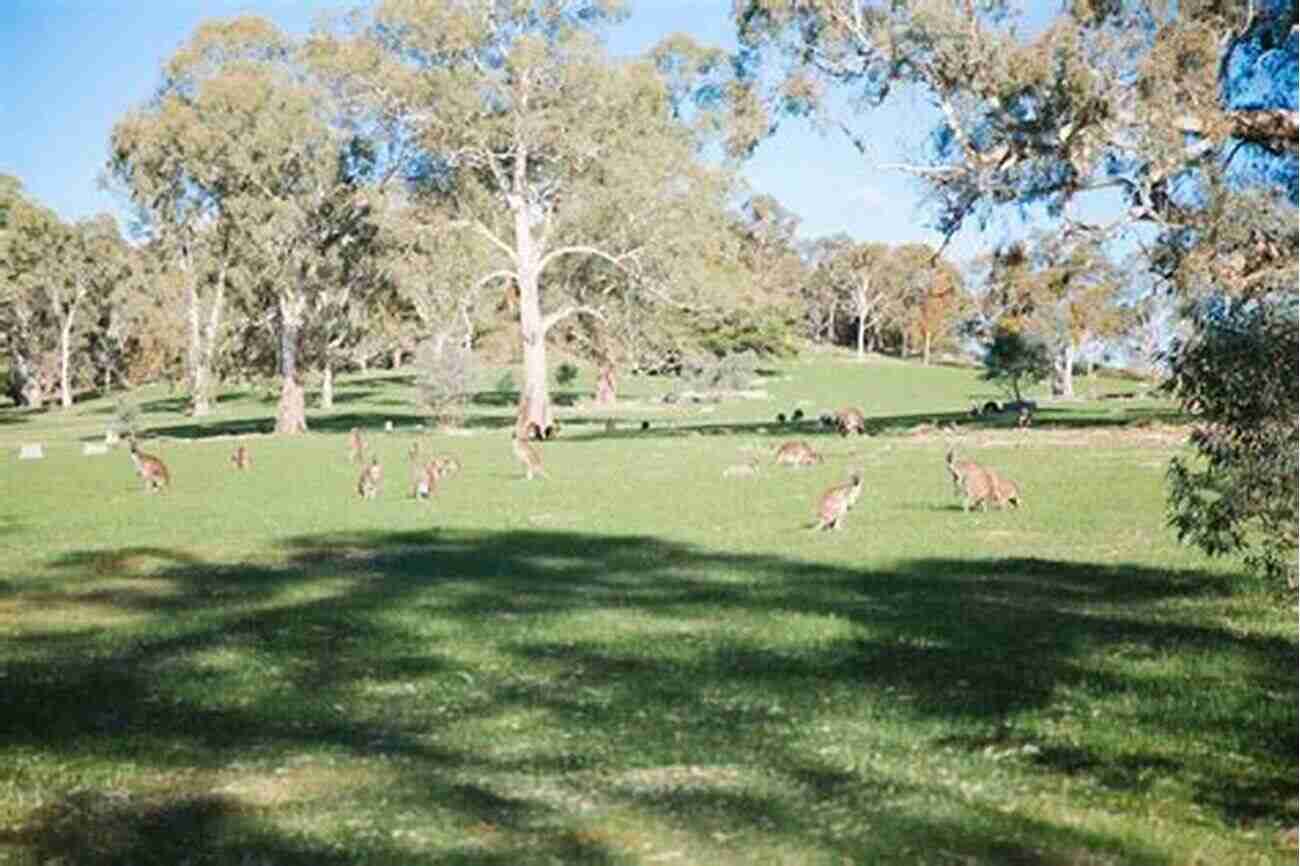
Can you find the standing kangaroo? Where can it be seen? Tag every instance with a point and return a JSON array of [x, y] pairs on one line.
[[242, 459], [525, 452], [528, 455], [356, 446], [836, 502], [150, 468], [371, 477]]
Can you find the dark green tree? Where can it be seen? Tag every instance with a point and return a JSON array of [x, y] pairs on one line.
[[1015, 361], [1237, 374]]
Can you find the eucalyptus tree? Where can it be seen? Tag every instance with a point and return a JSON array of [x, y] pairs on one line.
[[29, 234], [855, 278], [240, 151], [180, 160], [536, 144], [930, 297], [83, 269]]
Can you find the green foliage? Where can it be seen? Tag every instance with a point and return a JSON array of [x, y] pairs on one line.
[[506, 384], [1015, 361], [1238, 374], [764, 330], [445, 379], [126, 413], [566, 374]]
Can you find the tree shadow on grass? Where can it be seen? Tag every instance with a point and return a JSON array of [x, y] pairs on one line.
[[254, 662]]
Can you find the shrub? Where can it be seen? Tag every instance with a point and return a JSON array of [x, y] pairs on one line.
[[444, 380], [566, 373], [1237, 373]]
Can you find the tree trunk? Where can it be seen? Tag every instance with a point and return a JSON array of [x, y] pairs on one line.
[[291, 417], [531, 327], [327, 386], [926, 356], [65, 356], [203, 340], [1063, 381], [862, 338], [397, 357], [606, 387]]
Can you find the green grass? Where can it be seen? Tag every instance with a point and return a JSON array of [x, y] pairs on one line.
[[633, 660]]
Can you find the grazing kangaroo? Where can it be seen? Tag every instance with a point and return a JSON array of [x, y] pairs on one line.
[[151, 469], [242, 459], [356, 446], [836, 502], [371, 477], [445, 466], [797, 453], [974, 483], [850, 420]]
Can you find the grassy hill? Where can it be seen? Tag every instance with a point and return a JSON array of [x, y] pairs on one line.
[[633, 660]]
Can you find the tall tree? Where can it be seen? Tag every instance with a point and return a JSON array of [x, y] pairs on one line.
[[528, 132], [29, 235]]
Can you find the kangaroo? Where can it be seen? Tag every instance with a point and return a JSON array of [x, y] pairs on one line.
[[850, 420], [974, 483], [242, 459], [151, 469], [371, 477], [1005, 491], [445, 466], [836, 502], [797, 453], [527, 454], [356, 446], [426, 481]]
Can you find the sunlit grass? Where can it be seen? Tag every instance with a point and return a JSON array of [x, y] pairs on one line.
[[634, 660]]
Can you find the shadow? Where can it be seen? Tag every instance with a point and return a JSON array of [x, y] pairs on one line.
[[451, 634]]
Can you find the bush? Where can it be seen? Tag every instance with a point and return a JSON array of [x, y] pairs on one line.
[[566, 373], [125, 414], [444, 380], [1015, 362], [1237, 374]]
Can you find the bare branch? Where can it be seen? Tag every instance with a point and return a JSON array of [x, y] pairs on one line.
[[551, 319], [617, 261]]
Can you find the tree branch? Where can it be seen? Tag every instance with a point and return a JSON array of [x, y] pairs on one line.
[[551, 319], [617, 261]]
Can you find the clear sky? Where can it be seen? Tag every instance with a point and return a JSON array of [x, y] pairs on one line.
[[74, 67]]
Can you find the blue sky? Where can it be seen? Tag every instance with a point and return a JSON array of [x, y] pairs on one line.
[[74, 67]]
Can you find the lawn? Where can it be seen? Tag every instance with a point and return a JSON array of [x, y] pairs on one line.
[[633, 660]]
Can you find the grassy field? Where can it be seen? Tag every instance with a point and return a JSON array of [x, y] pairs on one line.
[[632, 661]]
